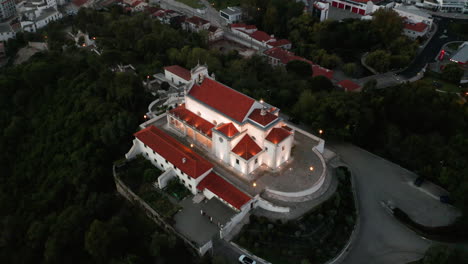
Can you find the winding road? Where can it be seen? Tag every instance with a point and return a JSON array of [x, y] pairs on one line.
[[381, 238]]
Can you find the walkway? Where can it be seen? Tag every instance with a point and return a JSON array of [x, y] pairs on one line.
[[382, 239]]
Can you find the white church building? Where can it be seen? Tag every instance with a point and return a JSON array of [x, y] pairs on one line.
[[242, 132]]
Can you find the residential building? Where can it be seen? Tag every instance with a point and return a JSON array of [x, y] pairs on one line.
[[361, 7], [450, 6], [413, 14], [461, 56], [238, 130], [36, 14], [197, 24], [415, 30], [281, 57], [320, 10], [232, 14], [6, 31], [260, 38], [7, 9], [349, 86]]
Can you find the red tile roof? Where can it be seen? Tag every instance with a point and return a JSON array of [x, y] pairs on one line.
[[79, 2], [197, 20], [263, 120], [279, 43], [222, 98], [174, 152], [246, 148], [317, 70], [283, 55], [261, 36], [242, 25], [179, 71], [277, 135], [228, 129], [212, 29], [224, 190], [418, 27], [193, 120], [134, 4], [349, 85]]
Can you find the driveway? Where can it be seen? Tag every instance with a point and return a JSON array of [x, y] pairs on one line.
[[381, 238]]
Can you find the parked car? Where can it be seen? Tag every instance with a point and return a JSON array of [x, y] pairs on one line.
[[246, 260], [419, 181]]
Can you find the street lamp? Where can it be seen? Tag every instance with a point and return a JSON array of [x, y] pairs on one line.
[[320, 131], [254, 184], [311, 168]]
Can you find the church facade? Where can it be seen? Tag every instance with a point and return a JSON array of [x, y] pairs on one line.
[[238, 130]]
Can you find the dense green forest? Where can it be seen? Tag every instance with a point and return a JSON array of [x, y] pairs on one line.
[[65, 117]]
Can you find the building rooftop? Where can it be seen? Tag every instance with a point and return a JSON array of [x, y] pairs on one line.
[[461, 55], [246, 148], [279, 43], [179, 155], [193, 120], [197, 20], [418, 27], [228, 129], [5, 27], [413, 10], [349, 85], [179, 71], [262, 119], [261, 36], [224, 190], [223, 99], [232, 10], [277, 135], [317, 70]]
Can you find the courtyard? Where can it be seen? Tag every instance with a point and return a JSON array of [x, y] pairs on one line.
[[200, 221]]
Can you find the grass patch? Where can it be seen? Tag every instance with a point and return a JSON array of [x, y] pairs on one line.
[[139, 175], [176, 189], [315, 238], [192, 3], [434, 82]]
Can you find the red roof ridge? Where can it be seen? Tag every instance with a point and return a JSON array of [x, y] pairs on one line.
[[228, 129], [179, 71], [264, 119], [224, 190], [222, 98], [173, 151], [277, 135], [246, 148], [349, 85]]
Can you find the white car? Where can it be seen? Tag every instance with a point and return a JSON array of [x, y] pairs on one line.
[[246, 260]]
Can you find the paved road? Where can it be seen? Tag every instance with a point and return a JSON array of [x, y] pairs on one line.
[[381, 238], [432, 49]]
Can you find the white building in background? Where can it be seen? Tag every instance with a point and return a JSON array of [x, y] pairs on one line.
[[6, 31], [240, 131], [320, 10], [451, 6], [7, 9], [232, 14], [36, 14], [413, 14]]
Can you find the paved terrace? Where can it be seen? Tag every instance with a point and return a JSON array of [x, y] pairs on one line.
[[198, 227], [293, 176]]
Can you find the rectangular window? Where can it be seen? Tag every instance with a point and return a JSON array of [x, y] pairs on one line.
[[162, 166], [183, 181], [256, 160], [190, 186], [154, 152], [166, 162], [237, 161], [282, 148], [145, 145]]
